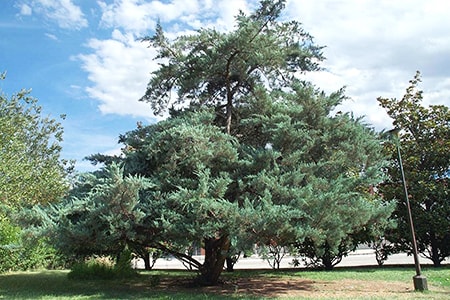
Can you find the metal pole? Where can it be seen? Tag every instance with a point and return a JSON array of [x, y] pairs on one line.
[[420, 282], [408, 207]]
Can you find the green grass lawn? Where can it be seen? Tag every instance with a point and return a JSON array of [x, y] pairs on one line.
[[150, 285]]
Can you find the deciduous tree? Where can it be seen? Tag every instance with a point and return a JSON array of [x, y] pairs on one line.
[[425, 144], [31, 172], [31, 169]]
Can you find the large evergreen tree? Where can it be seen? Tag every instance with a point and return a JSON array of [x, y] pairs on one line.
[[425, 144], [253, 154], [234, 73], [219, 70]]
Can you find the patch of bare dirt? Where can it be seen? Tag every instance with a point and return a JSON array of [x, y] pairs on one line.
[[302, 288], [373, 289]]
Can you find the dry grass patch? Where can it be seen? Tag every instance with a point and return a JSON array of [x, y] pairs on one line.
[[262, 287]]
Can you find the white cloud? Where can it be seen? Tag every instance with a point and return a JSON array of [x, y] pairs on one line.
[[119, 70], [140, 17], [127, 15], [66, 14], [51, 36], [25, 10], [374, 48], [227, 11]]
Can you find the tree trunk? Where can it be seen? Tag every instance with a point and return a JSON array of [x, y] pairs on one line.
[[146, 258], [230, 264], [328, 258], [435, 257], [229, 109], [327, 263], [216, 252]]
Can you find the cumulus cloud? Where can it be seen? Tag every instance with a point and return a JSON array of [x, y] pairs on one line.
[[126, 15], [66, 14], [227, 11], [119, 70], [140, 17]]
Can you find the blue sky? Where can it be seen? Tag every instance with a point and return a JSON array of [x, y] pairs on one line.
[[82, 58]]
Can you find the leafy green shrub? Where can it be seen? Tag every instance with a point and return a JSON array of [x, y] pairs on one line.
[[123, 266], [39, 254], [9, 238], [23, 256]]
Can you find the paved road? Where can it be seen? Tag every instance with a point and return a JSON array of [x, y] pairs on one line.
[[364, 257]]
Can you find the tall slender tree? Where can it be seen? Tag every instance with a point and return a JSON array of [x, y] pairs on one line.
[[31, 172]]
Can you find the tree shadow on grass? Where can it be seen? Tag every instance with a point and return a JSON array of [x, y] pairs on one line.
[[269, 287], [56, 285], [177, 285]]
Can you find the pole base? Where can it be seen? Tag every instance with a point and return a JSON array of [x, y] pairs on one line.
[[420, 283]]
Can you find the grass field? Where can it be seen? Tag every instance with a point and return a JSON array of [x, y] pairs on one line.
[[342, 283]]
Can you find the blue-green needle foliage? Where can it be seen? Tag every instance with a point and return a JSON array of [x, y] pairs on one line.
[[254, 156], [101, 214]]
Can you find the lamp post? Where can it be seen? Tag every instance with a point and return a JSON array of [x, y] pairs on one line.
[[420, 281]]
